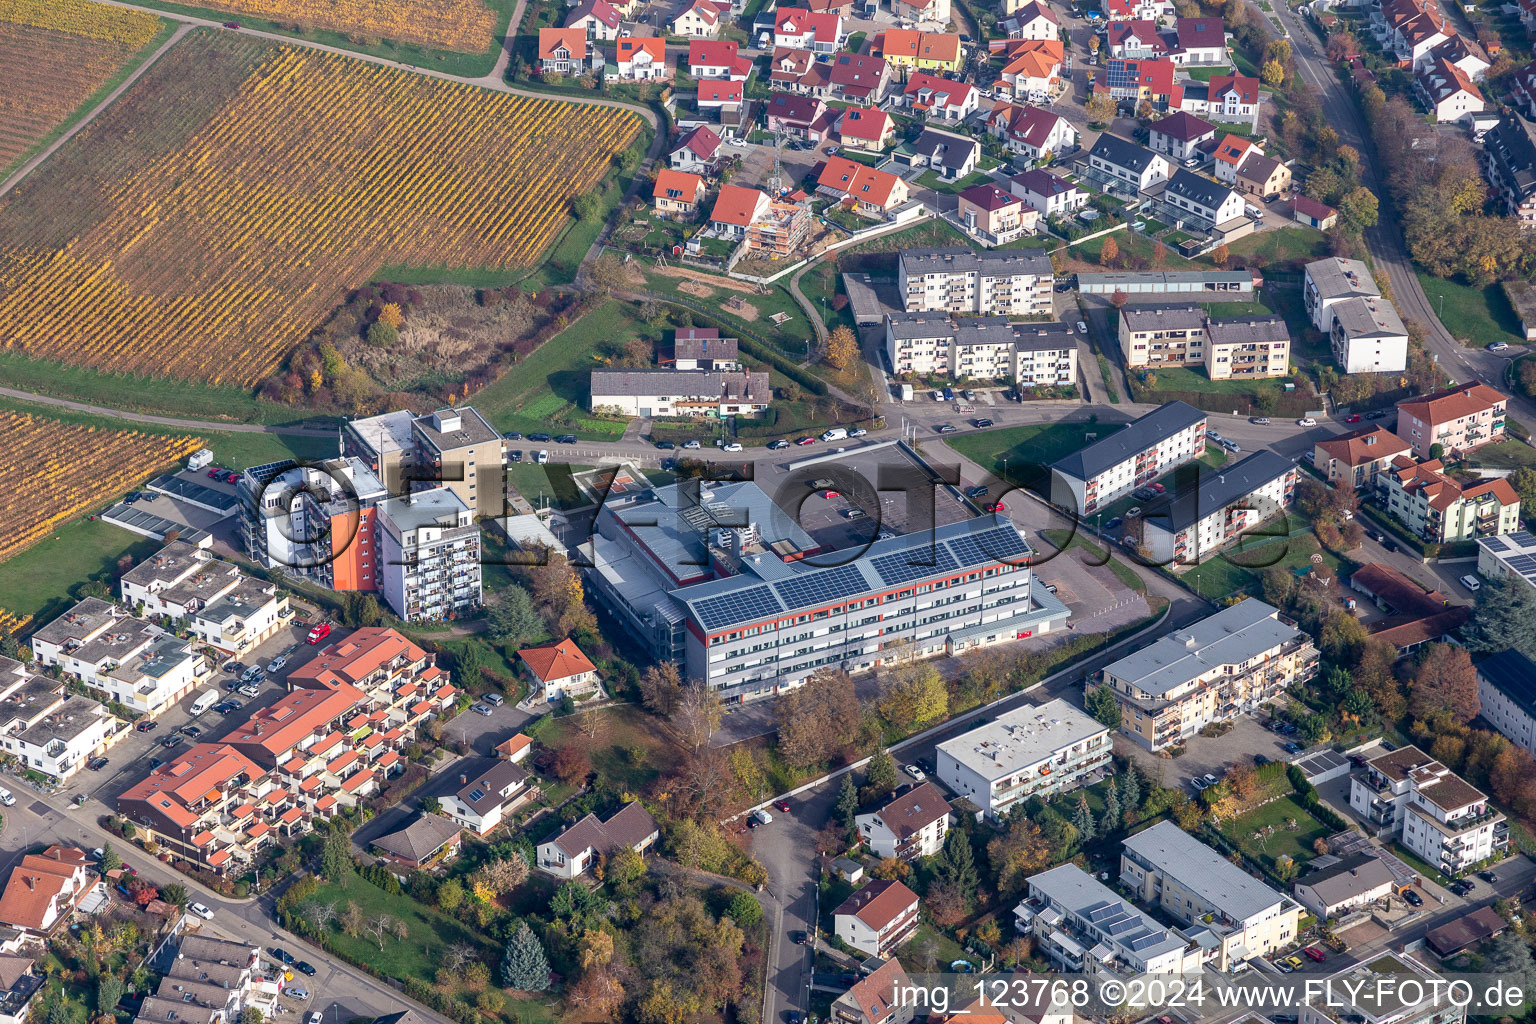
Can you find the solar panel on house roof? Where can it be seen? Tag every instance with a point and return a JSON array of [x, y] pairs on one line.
[[1495, 544], [737, 606], [823, 585], [1522, 563], [1119, 75], [1523, 539], [993, 545], [912, 564]]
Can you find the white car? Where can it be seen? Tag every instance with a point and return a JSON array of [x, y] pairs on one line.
[[1471, 582], [1498, 346], [206, 913], [314, 1017], [692, 445], [732, 447], [914, 771], [541, 456], [1306, 421], [857, 432]]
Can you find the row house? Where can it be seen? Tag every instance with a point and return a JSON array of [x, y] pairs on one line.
[[1462, 54], [940, 99], [1438, 509], [1458, 419], [1113, 466], [217, 977], [718, 58], [1122, 166], [1438, 816], [1190, 523], [909, 52], [46, 731], [187, 806], [1037, 135], [1195, 198], [1181, 136]]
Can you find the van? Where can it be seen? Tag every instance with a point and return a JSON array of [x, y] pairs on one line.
[[835, 434], [764, 817], [204, 701], [906, 392], [495, 700], [1253, 211]]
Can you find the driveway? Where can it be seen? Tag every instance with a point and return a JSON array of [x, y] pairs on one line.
[[1206, 754]]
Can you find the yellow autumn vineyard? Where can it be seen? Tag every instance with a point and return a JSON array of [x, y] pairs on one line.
[[466, 25], [211, 261], [57, 53], [51, 471]]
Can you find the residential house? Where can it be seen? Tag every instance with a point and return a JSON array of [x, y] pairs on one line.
[[908, 51], [1051, 194], [871, 192], [1439, 510], [187, 807], [994, 216], [52, 738], [175, 581], [921, 12], [1522, 88], [1134, 82], [429, 840], [1462, 54], [1231, 98], [1437, 816], [956, 280], [1345, 885], [1190, 523], [598, 19], [1226, 664], [802, 117], [211, 981], [677, 193], [574, 850], [1263, 176], [876, 997], [640, 59], [563, 51], [44, 889], [942, 99], [696, 19], [667, 392], [877, 918], [1355, 459], [950, 156], [736, 207], [797, 71], [1506, 557], [1200, 200], [717, 58], [1446, 91], [910, 825], [1230, 153], [696, 152], [1312, 213], [1145, 10], [1033, 69], [1415, 616], [1137, 40], [722, 98], [1081, 925], [1033, 133], [865, 129], [1199, 42], [1031, 20], [1029, 751], [488, 790], [1125, 167], [560, 669], [802, 29], [982, 348], [857, 78], [1203, 891], [1458, 419], [1180, 136], [19, 987], [1509, 162], [1506, 689], [1114, 465]]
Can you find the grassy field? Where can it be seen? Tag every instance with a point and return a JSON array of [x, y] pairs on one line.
[[1478, 316], [1510, 454], [1282, 842], [550, 481], [1283, 247], [793, 338], [1022, 455], [1184, 378], [1237, 569], [40, 580], [628, 754]]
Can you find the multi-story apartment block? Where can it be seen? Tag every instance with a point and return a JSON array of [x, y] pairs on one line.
[[956, 280], [1436, 508], [1206, 893], [1388, 988], [51, 734], [1506, 686], [430, 549], [1357, 458], [240, 619], [995, 216], [912, 824], [459, 449], [211, 981], [663, 392], [125, 659], [1368, 336], [188, 807], [1190, 523], [1081, 925], [1247, 347], [1225, 665], [877, 918], [1458, 419], [385, 443], [316, 522], [1333, 280], [1513, 556], [1509, 162], [981, 348], [1439, 817], [1030, 751], [1162, 335], [1143, 450], [175, 581]]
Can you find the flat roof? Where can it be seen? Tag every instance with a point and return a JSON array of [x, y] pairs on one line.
[[1200, 869], [1229, 637], [424, 508], [448, 429], [1070, 887], [386, 433], [1022, 738], [1339, 278]]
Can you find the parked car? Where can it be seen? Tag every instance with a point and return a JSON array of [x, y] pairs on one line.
[[782, 805], [732, 447], [249, 690], [495, 700], [1133, 512], [1259, 421], [1050, 588], [1158, 488], [1284, 966], [914, 771], [1313, 953], [983, 422], [853, 513], [1462, 887], [513, 435], [1306, 421], [1082, 328], [1412, 898], [282, 956], [566, 439], [1488, 876], [1295, 962], [96, 764], [857, 432], [1113, 523], [1353, 417], [483, 710], [298, 992], [516, 455], [1498, 346], [206, 913], [1259, 760], [1379, 414], [979, 491], [1470, 582], [1292, 747], [666, 446], [778, 445], [305, 967], [1210, 780], [1198, 783], [147, 726], [996, 506], [320, 632], [692, 445], [541, 438], [946, 428], [806, 441]]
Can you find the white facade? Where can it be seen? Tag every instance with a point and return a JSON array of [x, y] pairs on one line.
[[242, 618], [431, 555], [1439, 817], [1081, 925], [58, 742], [1506, 684], [1143, 450], [1002, 283], [1028, 751], [910, 826], [985, 348], [1368, 336], [1222, 506]]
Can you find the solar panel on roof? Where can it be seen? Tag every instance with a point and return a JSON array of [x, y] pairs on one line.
[[1522, 563], [989, 546], [1523, 539], [914, 563], [1495, 544], [821, 586], [736, 606]]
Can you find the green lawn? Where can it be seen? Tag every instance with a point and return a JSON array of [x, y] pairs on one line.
[[38, 582], [1184, 378], [1206, 74], [1283, 247], [1297, 844], [551, 481], [1478, 316], [931, 179], [629, 753], [1236, 569], [1023, 455], [549, 387], [1509, 454]]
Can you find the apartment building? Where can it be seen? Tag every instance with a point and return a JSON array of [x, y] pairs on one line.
[[663, 392], [1190, 523], [459, 449], [211, 981], [956, 280], [1513, 556], [575, 849], [1356, 459], [1030, 751], [1438, 509], [1081, 925], [981, 348], [910, 825], [1208, 895], [430, 547], [1390, 988], [1225, 665], [1438, 817], [1145, 449], [175, 581], [877, 997], [385, 443], [994, 216], [1333, 280], [1506, 685], [240, 620], [59, 741], [122, 658], [877, 918], [1249, 347], [1459, 419], [1368, 336], [187, 806], [1162, 335], [315, 522], [1509, 163]]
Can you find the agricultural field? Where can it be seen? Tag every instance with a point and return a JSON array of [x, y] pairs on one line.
[[58, 53], [468, 26], [53, 470], [213, 217]]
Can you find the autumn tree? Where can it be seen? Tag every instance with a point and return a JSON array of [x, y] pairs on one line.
[[1020, 852], [1221, 255], [1342, 637], [697, 714], [1273, 73], [571, 764], [817, 718], [1118, 298], [842, 347], [1110, 253], [661, 687], [913, 695], [1359, 208], [1101, 108], [1444, 682]]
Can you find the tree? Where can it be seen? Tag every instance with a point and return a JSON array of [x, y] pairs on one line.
[[660, 687], [1509, 957], [1504, 617], [502, 875], [1358, 206], [1118, 298], [571, 764], [698, 714], [1101, 108], [1342, 637], [1109, 253], [818, 719], [1017, 854], [1082, 820], [588, 206], [842, 347], [1273, 73], [525, 967], [336, 855], [379, 926], [1130, 788], [109, 989], [744, 909], [1102, 705], [1221, 255], [748, 769], [512, 618], [956, 865], [110, 861], [1444, 682], [880, 774], [1111, 817], [1523, 480], [176, 895], [913, 695], [847, 801]]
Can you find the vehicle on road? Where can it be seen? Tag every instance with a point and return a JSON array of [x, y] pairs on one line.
[[778, 445], [1379, 414], [1306, 421], [1412, 898], [979, 491], [1353, 417], [996, 506], [1470, 582], [1113, 523], [1498, 346], [831, 494], [732, 447], [782, 805], [692, 445], [482, 710], [282, 956], [147, 726], [666, 446], [946, 428], [914, 771], [1259, 421], [320, 632], [806, 440], [305, 967], [206, 913], [853, 513], [983, 422]]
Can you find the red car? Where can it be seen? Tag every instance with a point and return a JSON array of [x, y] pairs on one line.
[[319, 633], [215, 473], [231, 477], [1159, 488], [830, 494], [1353, 417], [806, 440], [996, 506], [1315, 954], [782, 805]]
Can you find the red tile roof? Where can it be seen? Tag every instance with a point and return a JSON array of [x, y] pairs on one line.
[[558, 660], [1184, 127], [359, 656], [867, 124], [1247, 88], [1453, 403], [677, 185], [712, 52], [572, 40], [719, 90], [858, 180], [630, 47], [36, 884], [736, 205], [878, 903]]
